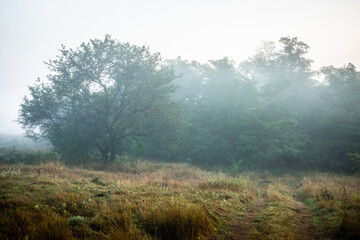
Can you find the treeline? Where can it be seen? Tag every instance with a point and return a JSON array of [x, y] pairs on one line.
[[9, 141], [106, 99]]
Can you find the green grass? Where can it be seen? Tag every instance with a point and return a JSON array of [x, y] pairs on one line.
[[165, 203], [278, 219], [171, 201], [335, 204]]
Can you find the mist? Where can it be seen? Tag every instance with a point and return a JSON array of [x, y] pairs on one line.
[[33, 32], [180, 120]]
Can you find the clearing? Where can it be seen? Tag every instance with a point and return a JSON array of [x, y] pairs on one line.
[[174, 201]]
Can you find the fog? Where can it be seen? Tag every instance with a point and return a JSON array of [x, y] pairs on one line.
[[180, 119], [32, 32]]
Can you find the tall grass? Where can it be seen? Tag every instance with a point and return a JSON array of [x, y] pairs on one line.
[[335, 201], [33, 224], [176, 221], [278, 218], [65, 203]]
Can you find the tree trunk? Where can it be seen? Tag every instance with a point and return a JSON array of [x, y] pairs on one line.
[[112, 154], [104, 154], [105, 158]]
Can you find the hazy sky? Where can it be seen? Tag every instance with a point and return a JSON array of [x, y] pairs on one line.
[[32, 31]]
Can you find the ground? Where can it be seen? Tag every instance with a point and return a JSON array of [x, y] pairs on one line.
[[150, 200]]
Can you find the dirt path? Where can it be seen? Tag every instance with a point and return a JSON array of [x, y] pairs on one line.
[[239, 229], [304, 222], [247, 222]]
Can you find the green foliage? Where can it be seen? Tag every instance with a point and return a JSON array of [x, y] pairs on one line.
[[11, 156], [355, 158], [14, 156], [99, 95], [269, 112], [108, 99]]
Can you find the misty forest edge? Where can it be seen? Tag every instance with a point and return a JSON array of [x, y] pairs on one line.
[[107, 99]]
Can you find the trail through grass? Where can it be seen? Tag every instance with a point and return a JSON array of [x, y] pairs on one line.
[[276, 213], [240, 228], [174, 201]]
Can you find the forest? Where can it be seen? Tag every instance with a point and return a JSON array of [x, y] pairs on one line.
[[128, 145], [108, 99]]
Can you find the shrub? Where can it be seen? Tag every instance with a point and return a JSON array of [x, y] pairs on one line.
[[11, 156], [76, 220]]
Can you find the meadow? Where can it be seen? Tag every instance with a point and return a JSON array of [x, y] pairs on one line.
[[152, 200]]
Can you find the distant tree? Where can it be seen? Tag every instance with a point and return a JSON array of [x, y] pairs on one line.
[[288, 99], [339, 123], [293, 54], [218, 103], [98, 95]]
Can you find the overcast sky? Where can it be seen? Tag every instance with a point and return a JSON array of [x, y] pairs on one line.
[[32, 31]]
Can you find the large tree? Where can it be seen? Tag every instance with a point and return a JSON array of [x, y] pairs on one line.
[[97, 96]]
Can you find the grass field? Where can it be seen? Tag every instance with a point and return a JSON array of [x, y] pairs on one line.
[[152, 200]]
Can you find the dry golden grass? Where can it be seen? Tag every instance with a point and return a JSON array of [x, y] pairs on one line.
[[176, 221], [156, 202], [170, 201], [278, 219], [335, 200], [35, 224]]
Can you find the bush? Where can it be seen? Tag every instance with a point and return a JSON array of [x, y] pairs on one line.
[[76, 220], [11, 156], [14, 156]]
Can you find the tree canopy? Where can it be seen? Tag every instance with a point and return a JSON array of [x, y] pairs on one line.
[[107, 98], [270, 111], [97, 96]]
